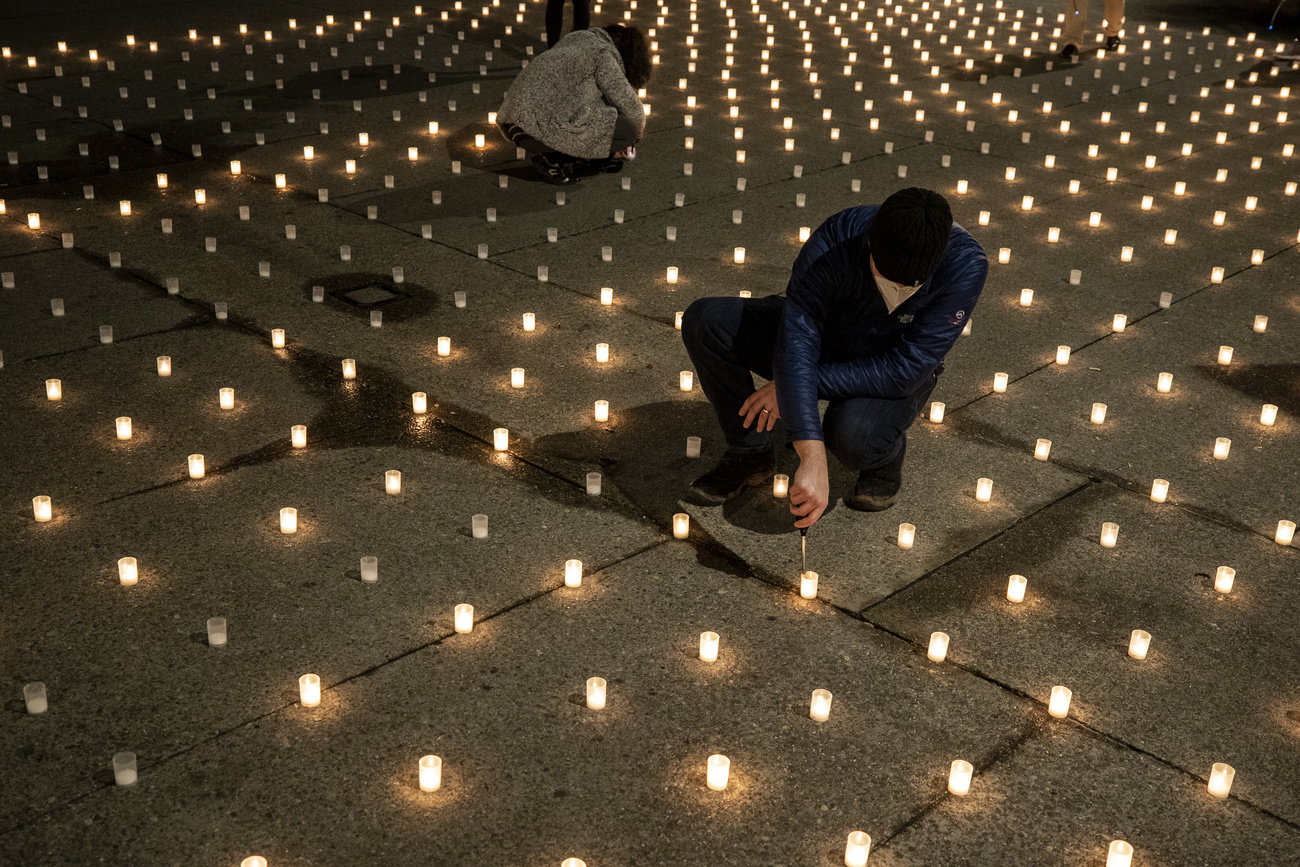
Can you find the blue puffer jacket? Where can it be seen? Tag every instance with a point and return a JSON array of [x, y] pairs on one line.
[[837, 340]]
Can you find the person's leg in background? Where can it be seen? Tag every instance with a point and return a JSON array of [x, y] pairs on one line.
[[729, 340], [1076, 22], [1114, 21], [869, 436], [581, 14], [555, 21]]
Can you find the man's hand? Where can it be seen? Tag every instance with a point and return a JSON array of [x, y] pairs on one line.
[[761, 405], [810, 493]]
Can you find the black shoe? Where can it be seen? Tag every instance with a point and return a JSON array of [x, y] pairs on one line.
[[1069, 51], [553, 169], [735, 472], [1112, 42], [876, 488]]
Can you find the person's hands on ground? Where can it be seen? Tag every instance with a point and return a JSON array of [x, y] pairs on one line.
[[761, 405], [628, 153], [810, 490]]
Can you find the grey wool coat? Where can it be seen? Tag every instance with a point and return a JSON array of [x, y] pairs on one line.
[[569, 97]]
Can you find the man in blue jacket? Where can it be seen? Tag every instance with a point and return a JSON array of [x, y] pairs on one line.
[[877, 297]]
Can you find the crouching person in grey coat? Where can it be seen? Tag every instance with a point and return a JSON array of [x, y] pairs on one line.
[[575, 106]]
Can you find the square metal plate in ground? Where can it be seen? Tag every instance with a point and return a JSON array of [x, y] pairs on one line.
[[370, 296]]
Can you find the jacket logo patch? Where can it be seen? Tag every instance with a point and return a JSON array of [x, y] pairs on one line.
[[905, 318], [961, 314]]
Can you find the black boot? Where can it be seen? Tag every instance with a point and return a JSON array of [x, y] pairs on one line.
[[735, 472], [554, 167], [876, 488], [1112, 42], [1069, 51]]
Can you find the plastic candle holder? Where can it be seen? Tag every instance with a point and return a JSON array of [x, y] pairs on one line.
[[298, 436], [672, 273], [124, 207], [516, 377], [936, 412], [959, 777], [124, 769], [1109, 534], [602, 352], [602, 410], [1054, 234], [808, 584], [1062, 355], [1285, 532], [164, 365], [1000, 382], [606, 296], [984, 490], [501, 439], [479, 527], [42, 508], [370, 569], [962, 187], [1059, 704], [1126, 254], [123, 424], [1221, 447], [530, 321], [1268, 414], [54, 389], [596, 693], [33, 221], [1004, 255], [444, 346], [984, 218], [309, 690], [681, 525], [277, 338], [288, 520], [1221, 779], [1139, 642], [217, 634], [1119, 323], [430, 773], [709, 646], [1119, 854], [738, 255], [1042, 449], [938, 650], [857, 849], [1225, 355], [718, 769], [196, 466], [1223, 578], [1171, 236], [1016, 588], [464, 617], [1260, 325], [686, 380], [1160, 490], [34, 696], [693, 447], [820, 708], [349, 368], [906, 536], [128, 571], [780, 485], [572, 573], [1164, 383], [1098, 413], [393, 482], [1026, 297]]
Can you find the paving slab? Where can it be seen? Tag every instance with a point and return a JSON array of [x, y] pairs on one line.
[[503, 706]]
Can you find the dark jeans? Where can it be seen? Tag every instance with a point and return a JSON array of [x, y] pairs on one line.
[[730, 339], [624, 137], [555, 19]]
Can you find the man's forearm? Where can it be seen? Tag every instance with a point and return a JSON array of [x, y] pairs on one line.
[[811, 450]]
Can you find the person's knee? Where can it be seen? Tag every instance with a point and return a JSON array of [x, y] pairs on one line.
[[857, 437], [697, 322]]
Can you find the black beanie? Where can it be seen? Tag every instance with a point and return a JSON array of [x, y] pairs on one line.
[[909, 234]]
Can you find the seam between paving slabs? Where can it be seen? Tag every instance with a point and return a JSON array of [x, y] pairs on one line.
[[478, 621]]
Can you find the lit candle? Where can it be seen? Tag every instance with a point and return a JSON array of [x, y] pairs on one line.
[[1260, 325], [906, 535], [984, 490], [124, 769], [413, 154], [718, 769], [1268, 414], [672, 273], [1139, 642], [1126, 254], [1016, 588], [128, 571], [164, 365], [1285, 532], [938, 649], [1119, 854], [959, 777], [1042, 448], [1004, 255], [288, 520], [1223, 578], [464, 617], [936, 412], [1119, 323], [1062, 354], [280, 182], [1221, 447], [804, 233], [1171, 236], [350, 166], [1109, 534], [999, 382], [516, 377], [393, 481], [234, 167], [1094, 219], [1147, 202], [820, 709], [1160, 490], [1054, 234], [808, 584], [738, 255], [309, 690], [349, 368], [1059, 704], [430, 773], [1098, 413], [1027, 203], [444, 346], [1225, 355], [123, 427], [709, 646], [681, 525], [500, 439], [1221, 779], [596, 693], [125, 207], [33, 221], [196, 466], [1074, 187], [530, 321], [780, 485], [857, 849], [227, 398], [984, 218], [572, 573], [1026, 297], [602, 410], [962, 186], [54, 389]]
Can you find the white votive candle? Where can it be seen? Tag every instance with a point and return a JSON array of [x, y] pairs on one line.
[[1059, 704], [959, 777], [820, 708], [780, 485], [1221, 779], [984, 490], [128, 571], [277, 338], [54, 389], [693, 447], [444, 346], [227, 398], [1268, 414], [1225, 355], [1109, 534], [288, 520], [309, 690], [430, 773], [393, 481], [419, 402], [1126, 254], [530, 321], [1098, 413], [1285, 532], [686, 380], [936, 412], [1016, 588], [681, 525], [906, 535], [124, 769], [479, 526], [718, 769], [602, 410], [196, 466], [1261, 324], [596, 693], [298, 436], [709, 646], [1164, 382], [857, 849], [500, 439], [369, 569], [217, 631], [1160, 490], [602, 352], [164, 365], [123, 424], [1042, 449], [672, 273], [1062, 354], [1119, 854], [1026, 297], [606, 295], [35, 697], [1139, 642], [572, 573], [349, 368], [1119, 323], [738, 255], [516, 377], [938, 650], [808, 584], [1222, 445], [464, 617], [1223, 578]]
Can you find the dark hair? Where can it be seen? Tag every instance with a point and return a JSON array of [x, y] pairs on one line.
[[632, 47], [908, 235]]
